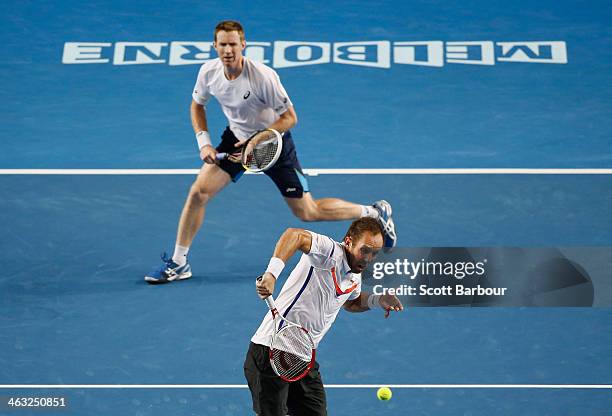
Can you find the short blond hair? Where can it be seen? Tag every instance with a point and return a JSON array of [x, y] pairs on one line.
[[229, 26]]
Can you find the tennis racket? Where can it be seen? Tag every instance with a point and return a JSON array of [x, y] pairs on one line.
[[263, 155], [292, 350]]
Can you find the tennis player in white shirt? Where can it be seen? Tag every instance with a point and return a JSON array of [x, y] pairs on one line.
[[327, 278], [252, 98]]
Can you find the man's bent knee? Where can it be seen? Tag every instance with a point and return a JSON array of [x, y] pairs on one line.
[[199, 195], [306, 215]]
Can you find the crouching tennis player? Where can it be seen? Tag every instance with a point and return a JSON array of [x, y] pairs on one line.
[[327, 277]]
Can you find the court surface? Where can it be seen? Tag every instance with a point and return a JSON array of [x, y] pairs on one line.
[[75, 312]]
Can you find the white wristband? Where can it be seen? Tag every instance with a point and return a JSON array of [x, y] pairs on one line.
[[203, 139], [373, 301], [275, 267]]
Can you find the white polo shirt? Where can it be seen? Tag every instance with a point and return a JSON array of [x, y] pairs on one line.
[[315, 291], [251, 102]]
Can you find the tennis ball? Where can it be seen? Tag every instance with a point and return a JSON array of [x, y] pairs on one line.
[[384, 393]]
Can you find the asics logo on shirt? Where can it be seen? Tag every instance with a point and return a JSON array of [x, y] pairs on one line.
[[245, 96]]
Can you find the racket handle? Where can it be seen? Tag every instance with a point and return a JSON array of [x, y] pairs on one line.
[[270, 301], [221, 156]]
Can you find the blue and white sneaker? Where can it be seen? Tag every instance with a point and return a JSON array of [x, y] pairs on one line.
[[386, 222], [168, 272]]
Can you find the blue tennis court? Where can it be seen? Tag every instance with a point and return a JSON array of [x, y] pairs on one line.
[[393, 85]]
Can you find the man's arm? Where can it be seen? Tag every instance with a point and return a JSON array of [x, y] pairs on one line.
[[199, 123], [292, 240], [357, 305], [198, 117], [286, 120], [361, 304]]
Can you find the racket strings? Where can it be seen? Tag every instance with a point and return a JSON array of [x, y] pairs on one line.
[[292, 351], [262, 154]]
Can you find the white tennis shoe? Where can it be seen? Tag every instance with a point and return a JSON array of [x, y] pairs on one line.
[[386, 221]]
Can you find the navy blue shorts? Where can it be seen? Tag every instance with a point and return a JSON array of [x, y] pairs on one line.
[[286, 173]]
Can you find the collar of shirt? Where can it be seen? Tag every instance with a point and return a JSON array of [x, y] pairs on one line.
[[345, 268]]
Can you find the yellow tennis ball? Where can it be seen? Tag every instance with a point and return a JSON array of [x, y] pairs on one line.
[[384, 393]]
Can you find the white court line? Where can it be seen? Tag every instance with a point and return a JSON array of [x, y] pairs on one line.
[[315, 172], [329, 386]]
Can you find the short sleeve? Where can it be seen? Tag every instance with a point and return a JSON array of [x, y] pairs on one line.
[[201, 95], [321, 249], [356, 292], [274, 94]]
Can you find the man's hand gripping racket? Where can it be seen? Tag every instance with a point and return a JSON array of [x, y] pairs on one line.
[[259, 153], [292, 350]]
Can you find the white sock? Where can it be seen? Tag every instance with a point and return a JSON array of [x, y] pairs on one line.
[[180, 255], [369, 211]]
